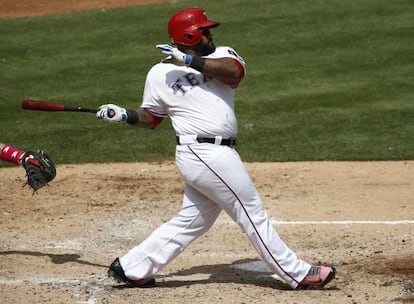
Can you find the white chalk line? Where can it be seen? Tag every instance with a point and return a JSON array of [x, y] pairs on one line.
[[344, 222], [403, 222]]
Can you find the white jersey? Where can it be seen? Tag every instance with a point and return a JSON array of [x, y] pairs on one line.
[[195, 103]]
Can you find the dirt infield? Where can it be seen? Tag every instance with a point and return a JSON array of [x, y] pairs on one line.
[[56, 245]]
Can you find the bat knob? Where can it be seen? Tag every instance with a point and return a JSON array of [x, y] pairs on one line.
[[111, 113]]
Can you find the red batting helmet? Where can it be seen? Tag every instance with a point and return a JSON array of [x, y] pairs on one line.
[[186, 25]]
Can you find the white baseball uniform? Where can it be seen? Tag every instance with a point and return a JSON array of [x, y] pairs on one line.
[[215, 177]]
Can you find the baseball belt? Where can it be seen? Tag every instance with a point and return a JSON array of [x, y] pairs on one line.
[[217, 140]]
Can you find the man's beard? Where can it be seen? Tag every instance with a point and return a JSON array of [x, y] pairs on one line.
[[205, 49]]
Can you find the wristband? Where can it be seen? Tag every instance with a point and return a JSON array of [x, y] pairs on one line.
[[187, 59], [132, 117], [198, 63]]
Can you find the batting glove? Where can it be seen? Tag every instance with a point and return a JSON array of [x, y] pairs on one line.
[[112, 113], [175, 55]]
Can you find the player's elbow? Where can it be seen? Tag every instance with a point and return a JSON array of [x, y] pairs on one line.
[[235, 73]]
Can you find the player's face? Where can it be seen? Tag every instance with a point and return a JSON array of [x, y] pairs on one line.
[[206, 45]]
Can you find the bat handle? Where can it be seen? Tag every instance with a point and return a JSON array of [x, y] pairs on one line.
[[79, 109]]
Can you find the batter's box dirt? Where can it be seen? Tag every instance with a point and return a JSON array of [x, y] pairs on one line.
[[391, 265]]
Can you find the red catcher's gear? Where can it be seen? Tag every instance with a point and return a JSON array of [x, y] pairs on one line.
[[186, 26]]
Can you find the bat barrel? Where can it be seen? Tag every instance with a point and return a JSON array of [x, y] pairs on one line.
[[40, 105], [43, 105]]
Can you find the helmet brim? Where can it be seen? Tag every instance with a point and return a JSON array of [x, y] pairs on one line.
[[208, 24]]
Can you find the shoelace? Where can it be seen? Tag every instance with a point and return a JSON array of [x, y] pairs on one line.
[[314, 271]]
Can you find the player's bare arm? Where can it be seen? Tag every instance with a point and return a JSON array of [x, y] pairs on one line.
[[223, 69], [145, 119]]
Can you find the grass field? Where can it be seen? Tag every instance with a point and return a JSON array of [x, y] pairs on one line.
[[326, 80]]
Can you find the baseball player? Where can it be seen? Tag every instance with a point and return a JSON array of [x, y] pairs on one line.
[[39, 167], [195, 85]]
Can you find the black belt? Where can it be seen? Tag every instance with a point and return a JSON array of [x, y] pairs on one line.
[[211, 140]]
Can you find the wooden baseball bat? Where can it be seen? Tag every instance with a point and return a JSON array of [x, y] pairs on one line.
[[43, 105]]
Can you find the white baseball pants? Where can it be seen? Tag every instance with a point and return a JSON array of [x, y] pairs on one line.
[[216, 179]]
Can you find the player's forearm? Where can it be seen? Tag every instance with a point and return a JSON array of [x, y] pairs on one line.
[[223, 69], [144, 119]]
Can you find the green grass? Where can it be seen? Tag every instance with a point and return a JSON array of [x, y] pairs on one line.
[[326, 80]]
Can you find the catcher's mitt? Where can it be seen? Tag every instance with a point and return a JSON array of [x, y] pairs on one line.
[[39, 167]]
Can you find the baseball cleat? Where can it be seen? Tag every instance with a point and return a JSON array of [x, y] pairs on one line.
[[318, 276], [115, 271]]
